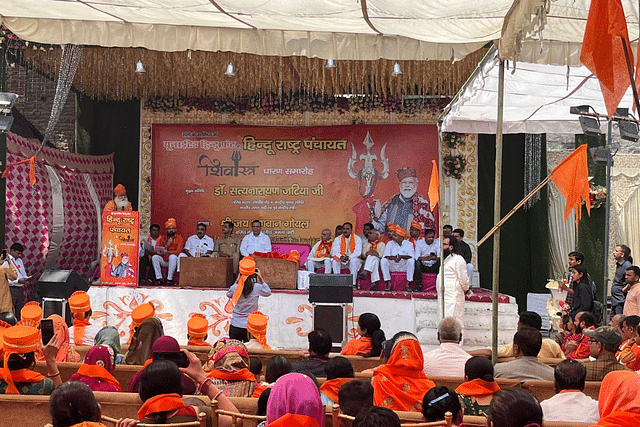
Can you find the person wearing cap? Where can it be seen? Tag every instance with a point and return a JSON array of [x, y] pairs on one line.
[[82, 332], [456, 280], [406, 206], [245, 295], [320, 255], [256, 241], [120, 201], [168, 247], [19, 344], [346, 252], [603, 345], [228, 246], [398, 256], [14, 258], [257, 331], [32, 313], [7, 273], [570, 404], [197, 328], [427, 255], [140, 314], [372, 251]]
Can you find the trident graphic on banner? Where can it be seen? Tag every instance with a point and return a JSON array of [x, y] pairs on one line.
[[367, 178]]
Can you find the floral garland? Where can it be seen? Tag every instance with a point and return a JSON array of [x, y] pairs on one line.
[[454, 165], [453, 139], [597, 196]]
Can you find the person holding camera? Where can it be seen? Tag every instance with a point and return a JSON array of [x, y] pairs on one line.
[[244, 295]]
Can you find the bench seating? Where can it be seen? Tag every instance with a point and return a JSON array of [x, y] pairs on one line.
[[543, 390]]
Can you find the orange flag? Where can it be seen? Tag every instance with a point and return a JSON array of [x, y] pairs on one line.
[[572, 179], [434, 186], [603, 52]]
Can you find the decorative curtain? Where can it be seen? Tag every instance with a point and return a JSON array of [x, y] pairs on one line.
[[562, 235], [630, 223]]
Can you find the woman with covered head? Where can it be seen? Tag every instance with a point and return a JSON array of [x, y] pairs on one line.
[[66, 353], [97, 370], [295, 401], [400, 384], [228, 367], [144, 336], [244, 295], [619, 400], [110, 337], [371, 337], [479, 386]]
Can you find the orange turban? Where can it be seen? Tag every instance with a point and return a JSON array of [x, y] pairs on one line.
[[142, 312], [247, 267], [416, 225], [171, 222], [197, 326], [18, 340], [31, 311], [79, 302], [119, 190], [391, 227], [400, 231], [257, 326]]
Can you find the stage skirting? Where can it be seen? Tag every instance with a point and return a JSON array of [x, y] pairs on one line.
[[290, 313]]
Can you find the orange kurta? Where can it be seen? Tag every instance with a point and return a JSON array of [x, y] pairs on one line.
[[357, 346], [619, 400], [111, 206], [331, 387], [177, 245]]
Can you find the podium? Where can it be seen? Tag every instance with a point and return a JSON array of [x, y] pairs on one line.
[[278, 273], [206, 272]]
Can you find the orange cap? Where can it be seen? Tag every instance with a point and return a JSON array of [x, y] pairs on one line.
[[142, 312], [400, 231], [257, 326], [247, 266], [416, 225], [171, 222], [20, 340], [79, 302], [119, 190], [197, 326], [31, 311], [391, 227]]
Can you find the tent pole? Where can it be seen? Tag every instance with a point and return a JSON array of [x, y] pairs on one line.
[[496, 217]]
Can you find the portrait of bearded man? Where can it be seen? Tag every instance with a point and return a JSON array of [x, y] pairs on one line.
[[120, 201]]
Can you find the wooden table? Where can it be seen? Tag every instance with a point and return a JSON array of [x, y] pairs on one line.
[[278, 273], [206, 272]]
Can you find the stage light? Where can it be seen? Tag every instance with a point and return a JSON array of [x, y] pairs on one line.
[[628, 130], [600, 155], [5, 123], [231, 70], [7, 100], [140, 67], [397, 71], [590, 125], [330, 63]]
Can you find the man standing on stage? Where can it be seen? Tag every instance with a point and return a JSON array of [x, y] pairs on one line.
[[14, 259], [256, 241], [405, 206], [167, 249], [120, 201], [346, 252], [228, 246], [398, 256], [320, 255]]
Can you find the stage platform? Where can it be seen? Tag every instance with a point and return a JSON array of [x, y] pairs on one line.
[[290, 314]]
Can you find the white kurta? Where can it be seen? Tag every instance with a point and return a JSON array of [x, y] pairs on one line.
[[197, 247], [456, 282], [393, 249], [423, 249], [355, 262], [372, 262], [251, 244], [314, 263]]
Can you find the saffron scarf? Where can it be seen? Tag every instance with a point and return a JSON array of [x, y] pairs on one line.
[[161, 403], [98, 372], [324, 249], [20, 376], [240, 375], [294, 420], [343, 245], [79, 324], [358, 346], [330, 387], [477, 387], [247, 267], [198, 342]]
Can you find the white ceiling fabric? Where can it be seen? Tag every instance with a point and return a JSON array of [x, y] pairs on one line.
[[537, 98]]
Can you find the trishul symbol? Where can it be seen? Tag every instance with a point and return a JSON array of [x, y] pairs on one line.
[[368, 176]]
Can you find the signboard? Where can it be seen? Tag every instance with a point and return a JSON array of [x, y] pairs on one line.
[[120, 242], [296, 180]]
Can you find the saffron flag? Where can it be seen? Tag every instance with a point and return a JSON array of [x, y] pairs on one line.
[[572, 179], [603, 52], [434, 186]]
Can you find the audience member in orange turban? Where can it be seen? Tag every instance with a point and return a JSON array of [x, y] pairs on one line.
[[82, 332], [257, 329], [619, 400], [120, 201], [197, 328], [400, 384], [139, 315], [31, 312]]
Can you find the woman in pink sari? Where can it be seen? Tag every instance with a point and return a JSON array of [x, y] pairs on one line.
[[97, 370], [295, 402]]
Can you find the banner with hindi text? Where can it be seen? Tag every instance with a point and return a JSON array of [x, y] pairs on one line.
[[119, 254]]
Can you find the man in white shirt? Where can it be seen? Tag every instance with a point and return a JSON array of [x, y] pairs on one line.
[[456, 281], [146, 251], [372, 251], [427, 257], [14, 258], [570, 404], [449, 358], [398, 256], [256, 241], [198, 245], [346, 251], [320, 255]]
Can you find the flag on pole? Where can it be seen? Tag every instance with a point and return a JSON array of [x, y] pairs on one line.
[[602, 50], [572, 179], [434, 185]]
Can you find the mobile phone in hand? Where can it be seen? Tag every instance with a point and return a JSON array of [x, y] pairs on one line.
[[46, 329], [179, 358]]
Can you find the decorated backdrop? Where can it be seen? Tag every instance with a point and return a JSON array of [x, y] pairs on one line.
[[297, 180]]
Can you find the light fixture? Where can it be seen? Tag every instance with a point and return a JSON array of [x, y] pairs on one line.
[[5, 123], [628, 130], [330, 63], [600, 155], [397, 71], [7, 101], [140, 67], [590, 125], [231, 70]]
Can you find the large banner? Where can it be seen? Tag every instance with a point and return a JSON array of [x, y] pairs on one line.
[[296, 180], [119, 255]]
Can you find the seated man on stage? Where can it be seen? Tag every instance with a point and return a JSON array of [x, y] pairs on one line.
[[320, 255], [256, 241], [120, 201], [146, 251], [167, 248], [372, 251], [346, 251], [228, 246], [427, 257], [398, 256], [198, 245]]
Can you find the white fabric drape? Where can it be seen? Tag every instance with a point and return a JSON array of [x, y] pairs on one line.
[[562, 239], [630, 223]]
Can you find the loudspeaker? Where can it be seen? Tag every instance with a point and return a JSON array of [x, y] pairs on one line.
[[333, 288], [333, 319], [60, 284]]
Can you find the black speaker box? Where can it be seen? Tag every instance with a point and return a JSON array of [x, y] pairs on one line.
[[334, 288], [60, 284], [330, 318]]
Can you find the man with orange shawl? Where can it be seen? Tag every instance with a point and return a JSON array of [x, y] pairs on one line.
[[257, 330], [346, 251], [320, 255], [400, 384], [197, 328], [168, 248], [82, 332], [619, 400], [120, 201]]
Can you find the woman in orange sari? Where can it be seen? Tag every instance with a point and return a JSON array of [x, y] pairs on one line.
[[400, 384], [371, 337], [619, 400]]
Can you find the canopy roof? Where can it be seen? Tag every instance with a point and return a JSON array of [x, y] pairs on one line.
[[537, 98]]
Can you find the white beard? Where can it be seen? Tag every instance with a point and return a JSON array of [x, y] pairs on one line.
[[121, 204]]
